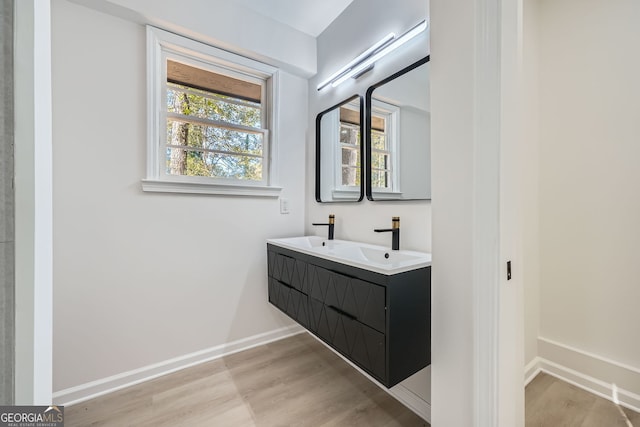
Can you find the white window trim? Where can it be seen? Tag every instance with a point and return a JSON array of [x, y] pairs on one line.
[[159, 44], [343, 191], [392, 112]]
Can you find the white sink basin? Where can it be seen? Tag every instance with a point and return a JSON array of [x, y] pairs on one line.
[[362, 255], [307, 242], [382, 256]]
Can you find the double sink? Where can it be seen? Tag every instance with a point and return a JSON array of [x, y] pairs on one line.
[[374, 258]]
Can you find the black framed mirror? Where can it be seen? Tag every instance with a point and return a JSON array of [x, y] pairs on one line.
[[339, 152], [398, 136]]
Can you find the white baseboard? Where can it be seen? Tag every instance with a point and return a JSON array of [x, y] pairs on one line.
[[603, 377], [421, 407], [531, 370], [402, 394], [77, 394]]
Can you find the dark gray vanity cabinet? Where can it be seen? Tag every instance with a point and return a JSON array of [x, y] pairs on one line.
[[380, 322]]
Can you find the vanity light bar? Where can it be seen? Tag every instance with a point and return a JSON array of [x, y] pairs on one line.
[[368, 62], [364, 55]]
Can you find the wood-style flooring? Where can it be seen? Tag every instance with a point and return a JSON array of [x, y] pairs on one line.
[[550, 402], [299, 382], [292, 382]]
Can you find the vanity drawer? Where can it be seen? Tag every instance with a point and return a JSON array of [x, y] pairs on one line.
[[288, 270], [355, 340], [363, 301], [291, 301]]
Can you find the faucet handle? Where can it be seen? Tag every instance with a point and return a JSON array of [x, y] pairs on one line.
[[395, 229], [332, 221], [331, 224]]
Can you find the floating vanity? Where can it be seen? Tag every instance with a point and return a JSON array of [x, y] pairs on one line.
[[369, 303]]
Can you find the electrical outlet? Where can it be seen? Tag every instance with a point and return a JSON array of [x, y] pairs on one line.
[[284, 206]]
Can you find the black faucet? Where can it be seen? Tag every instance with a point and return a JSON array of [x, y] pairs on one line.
[[331, 224], [395, 229]]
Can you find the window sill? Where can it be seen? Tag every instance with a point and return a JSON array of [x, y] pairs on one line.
[[345, 194], [157, 186], [387, 195]]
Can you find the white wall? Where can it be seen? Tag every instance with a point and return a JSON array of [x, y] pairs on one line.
[[225, 24], [362, 24], [590, 187], [140, 278], [531, 236]]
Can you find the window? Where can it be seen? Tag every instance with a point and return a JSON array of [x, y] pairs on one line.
[[210, 120], [384, 147], [349, 148]]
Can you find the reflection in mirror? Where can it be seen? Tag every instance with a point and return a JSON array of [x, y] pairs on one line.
[[339, 152], [398, 146]]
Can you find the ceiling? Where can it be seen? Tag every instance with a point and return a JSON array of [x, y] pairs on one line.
[[309, 16]]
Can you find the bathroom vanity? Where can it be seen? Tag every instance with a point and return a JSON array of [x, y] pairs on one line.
[[369, 303]]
